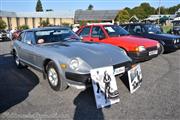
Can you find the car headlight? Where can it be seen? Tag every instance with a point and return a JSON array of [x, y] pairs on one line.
[[158, 45], [140, 49], [175, 41], [74, 64]]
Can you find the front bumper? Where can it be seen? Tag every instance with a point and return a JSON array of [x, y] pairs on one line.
[[85, 79], [143, 56]]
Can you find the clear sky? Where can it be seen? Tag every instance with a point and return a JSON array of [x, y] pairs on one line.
[[71, 5]]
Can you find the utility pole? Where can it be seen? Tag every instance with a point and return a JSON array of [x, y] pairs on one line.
[[159, 12]]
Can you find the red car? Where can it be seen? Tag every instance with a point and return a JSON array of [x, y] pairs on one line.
[[139, 49]]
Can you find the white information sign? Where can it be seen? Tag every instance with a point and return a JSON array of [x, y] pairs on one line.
[[135, 78], [104, 86]]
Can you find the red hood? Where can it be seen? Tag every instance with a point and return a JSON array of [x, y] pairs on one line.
[[131, 42]]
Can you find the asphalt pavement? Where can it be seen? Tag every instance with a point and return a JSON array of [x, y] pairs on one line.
[[24, 94]]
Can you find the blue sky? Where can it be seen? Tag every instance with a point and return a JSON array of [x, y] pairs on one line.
[[71, 5]]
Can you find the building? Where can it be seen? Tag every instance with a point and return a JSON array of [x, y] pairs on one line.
[[33, 19], [156, 17], [95, 15]]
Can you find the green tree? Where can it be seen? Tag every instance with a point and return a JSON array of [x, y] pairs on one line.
[[23, 27], [2, 24], [39, 7], [143, 11], [90, 7], [172, 10], [163, 10], [123, 16], [44, 23]]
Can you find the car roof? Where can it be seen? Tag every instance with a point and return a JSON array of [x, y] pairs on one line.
[[45, 28], [138, 24]]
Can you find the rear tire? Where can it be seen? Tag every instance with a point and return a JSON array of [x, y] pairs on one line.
[[54, 77]]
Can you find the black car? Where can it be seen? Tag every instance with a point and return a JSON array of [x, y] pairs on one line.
[[176, 27], [3, 35], [168, 42]]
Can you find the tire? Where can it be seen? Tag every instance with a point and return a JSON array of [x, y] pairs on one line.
[[162, 48], [54, 78], [17, 61]]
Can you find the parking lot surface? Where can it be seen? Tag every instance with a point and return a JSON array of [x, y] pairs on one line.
[[24, 94]]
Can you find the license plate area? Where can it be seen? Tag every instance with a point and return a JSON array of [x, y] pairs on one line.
[[154, 52]]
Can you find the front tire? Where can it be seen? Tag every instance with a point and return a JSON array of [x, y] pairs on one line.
[[17, 61], [54, 78], [162, 48]]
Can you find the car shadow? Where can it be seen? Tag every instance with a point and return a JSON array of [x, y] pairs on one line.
[[86, 106], [15, 84]]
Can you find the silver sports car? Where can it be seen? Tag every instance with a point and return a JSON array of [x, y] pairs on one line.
[[63, 58]]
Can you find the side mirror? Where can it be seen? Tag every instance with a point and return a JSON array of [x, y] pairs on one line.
[[29, 42], [81, 37], [101, 37]]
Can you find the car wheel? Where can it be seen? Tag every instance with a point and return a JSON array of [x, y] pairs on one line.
[[17, 61], [54, 78], [162, 49]]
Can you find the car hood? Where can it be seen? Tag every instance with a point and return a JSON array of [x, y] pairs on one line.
[[165, 36], [135, 41], [94, 54]]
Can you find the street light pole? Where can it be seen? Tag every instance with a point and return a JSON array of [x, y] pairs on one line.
[[159, 12]]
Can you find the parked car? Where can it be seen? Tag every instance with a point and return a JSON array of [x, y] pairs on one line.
[[3, 35], [63, 58], [139, 49], [176, 27], [168, 42]]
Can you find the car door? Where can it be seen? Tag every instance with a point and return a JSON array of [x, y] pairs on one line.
[[85, 33], [97, 34], [28, 48]]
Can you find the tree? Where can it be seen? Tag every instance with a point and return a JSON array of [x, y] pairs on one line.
[[39, 7], [44, 23], [90, 7], [23, 27], [2, 24], [123, 16]]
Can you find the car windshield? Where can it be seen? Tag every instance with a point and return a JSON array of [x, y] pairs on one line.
[[153, 29], [115, 30], [56, 35]]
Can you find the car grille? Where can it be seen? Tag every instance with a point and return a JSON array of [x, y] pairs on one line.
[[151, 48]]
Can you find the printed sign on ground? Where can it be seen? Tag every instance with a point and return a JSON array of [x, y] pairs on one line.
[[135, 78], [104, 86]]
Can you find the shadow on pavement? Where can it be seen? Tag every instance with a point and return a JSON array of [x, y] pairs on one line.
[[86, 106], [15, 84]]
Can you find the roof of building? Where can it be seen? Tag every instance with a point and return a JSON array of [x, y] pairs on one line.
[[50, 14], [47, 28], [89, 15], [156, 17]]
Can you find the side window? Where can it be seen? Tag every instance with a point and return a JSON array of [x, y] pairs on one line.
[[85, 32], [97, 31], [135, 29], [21, 36], [29, 38]]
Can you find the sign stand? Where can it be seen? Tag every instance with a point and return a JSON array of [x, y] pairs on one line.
[[104, 86]]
